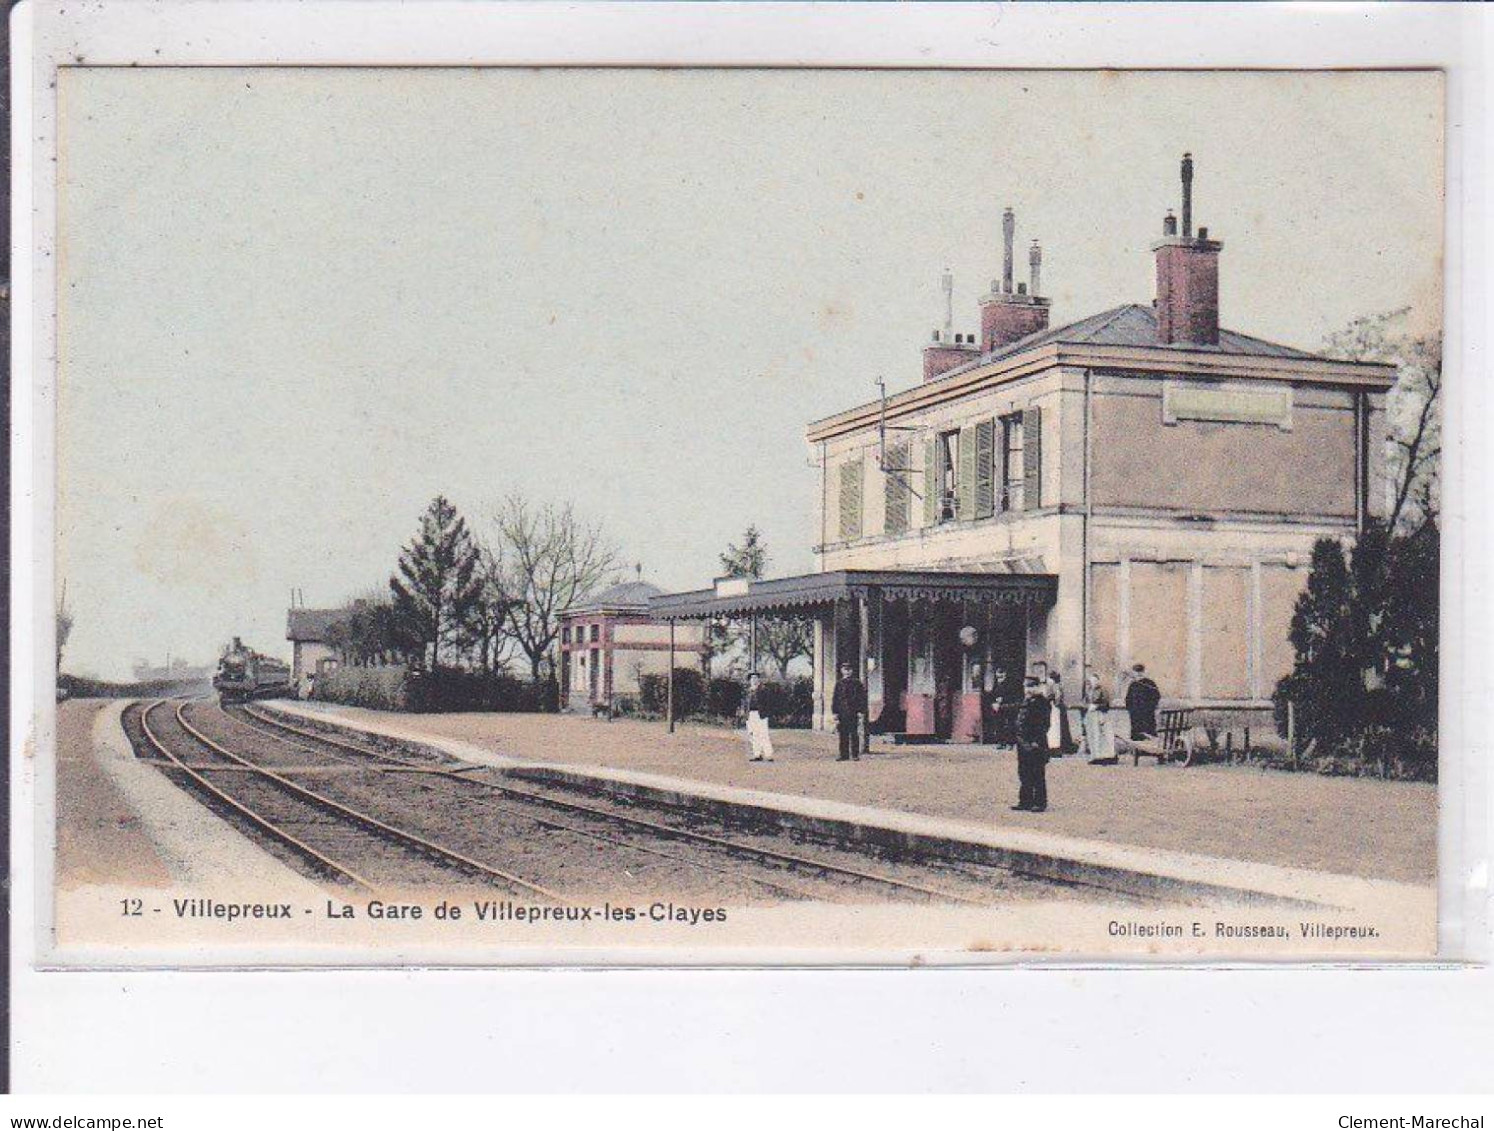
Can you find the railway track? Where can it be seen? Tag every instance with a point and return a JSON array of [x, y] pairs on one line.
[[294, 815], [375, 819], [532, 798]]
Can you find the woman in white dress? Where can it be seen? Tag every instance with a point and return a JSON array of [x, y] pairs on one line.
[[759, 741], [1099, 734]]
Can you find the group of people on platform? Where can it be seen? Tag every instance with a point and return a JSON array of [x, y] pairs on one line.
[[1042, 727], [1039, 726]]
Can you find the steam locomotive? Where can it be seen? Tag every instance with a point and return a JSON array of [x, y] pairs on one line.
[[246, 674]]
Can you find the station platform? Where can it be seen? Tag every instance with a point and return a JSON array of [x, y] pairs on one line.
[[953, 801]]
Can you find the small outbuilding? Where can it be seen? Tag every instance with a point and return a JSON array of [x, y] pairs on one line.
[[609, 642]]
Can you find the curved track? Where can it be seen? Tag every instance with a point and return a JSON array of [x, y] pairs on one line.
[[375, 819]]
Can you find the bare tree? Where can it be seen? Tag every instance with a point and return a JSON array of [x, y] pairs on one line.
[[548, 560], [486, 628], [782, 637], [1414, 409], [64, 624]]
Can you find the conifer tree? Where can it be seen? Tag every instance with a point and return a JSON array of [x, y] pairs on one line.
[[437, 587]]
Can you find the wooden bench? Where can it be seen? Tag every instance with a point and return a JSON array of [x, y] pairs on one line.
[[1173, 739]]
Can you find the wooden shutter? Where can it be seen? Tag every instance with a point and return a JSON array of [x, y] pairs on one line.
[[852, 473], [930, 482], [965, 508], [985, 469], [895, 489], [1032, 459]]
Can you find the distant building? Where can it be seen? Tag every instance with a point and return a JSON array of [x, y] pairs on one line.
[[1139, 485], [174, 668], [609, 642], [309, 631]]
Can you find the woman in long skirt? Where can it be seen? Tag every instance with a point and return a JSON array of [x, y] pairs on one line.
[[1099, 733], [1060, 738]]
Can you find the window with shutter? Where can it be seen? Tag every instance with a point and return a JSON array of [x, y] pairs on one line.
[[1032, 458], [965, 492], [985, 469], [1012, 463], [851, 474], [948, 455], [896, 489], [930, 483]]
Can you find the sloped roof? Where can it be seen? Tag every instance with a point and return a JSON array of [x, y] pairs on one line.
[[1131, 324], [630, 595], [310, 626]]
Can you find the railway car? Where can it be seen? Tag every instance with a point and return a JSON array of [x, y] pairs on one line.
[[245, 674]]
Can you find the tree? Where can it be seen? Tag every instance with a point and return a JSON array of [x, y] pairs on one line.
[[547, 560], [437, 585], [1365, 635], [486, 630], [1413, 408], [784, 638], [64, 624]]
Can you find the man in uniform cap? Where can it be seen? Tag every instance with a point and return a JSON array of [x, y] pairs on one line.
[[1032, 748]]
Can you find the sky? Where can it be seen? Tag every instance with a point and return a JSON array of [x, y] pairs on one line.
[[296, 304]]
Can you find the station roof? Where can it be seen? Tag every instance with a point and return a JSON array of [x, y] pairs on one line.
[[810, 591], [627, 597], [1123, 338], [310, 626]]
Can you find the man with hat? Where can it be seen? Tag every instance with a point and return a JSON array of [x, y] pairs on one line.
[[1032, 747], [848, 705]]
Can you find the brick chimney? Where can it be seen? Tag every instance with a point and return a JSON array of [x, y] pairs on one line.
[[1187, 300], [1007, 315], [948, 349]]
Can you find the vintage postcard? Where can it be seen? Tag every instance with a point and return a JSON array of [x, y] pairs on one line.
[[534, 515]]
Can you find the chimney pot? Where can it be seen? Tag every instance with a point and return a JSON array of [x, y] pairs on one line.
[[1008, 231], [1021, 288], [1187, 301], [1187, 196], [1169, 224], [1035, 263]]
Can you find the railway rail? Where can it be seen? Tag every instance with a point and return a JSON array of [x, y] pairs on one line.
[[793, 860], [275, 823], [368, 803]]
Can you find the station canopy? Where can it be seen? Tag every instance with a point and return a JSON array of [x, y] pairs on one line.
[[740, 596]]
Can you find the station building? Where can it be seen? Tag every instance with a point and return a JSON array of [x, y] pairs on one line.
[[1142, 485], [310, 633], [611, 641]]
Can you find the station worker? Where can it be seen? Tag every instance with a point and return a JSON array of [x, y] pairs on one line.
[[849, 708], [1032, 747]]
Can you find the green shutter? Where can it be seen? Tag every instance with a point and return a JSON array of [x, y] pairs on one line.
[[1032, 459], [965, 506], [930, 483], [851, 475], [895, 489], [985, 469]]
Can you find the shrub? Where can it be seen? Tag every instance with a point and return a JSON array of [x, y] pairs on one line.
[[724, 697], [787, 703], [689, 692], [383, 688], [446, 689]]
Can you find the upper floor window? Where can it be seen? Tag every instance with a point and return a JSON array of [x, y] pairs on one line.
[[852, 474], [948, 452], [596, 632], [565, 635], [1013, 461]]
